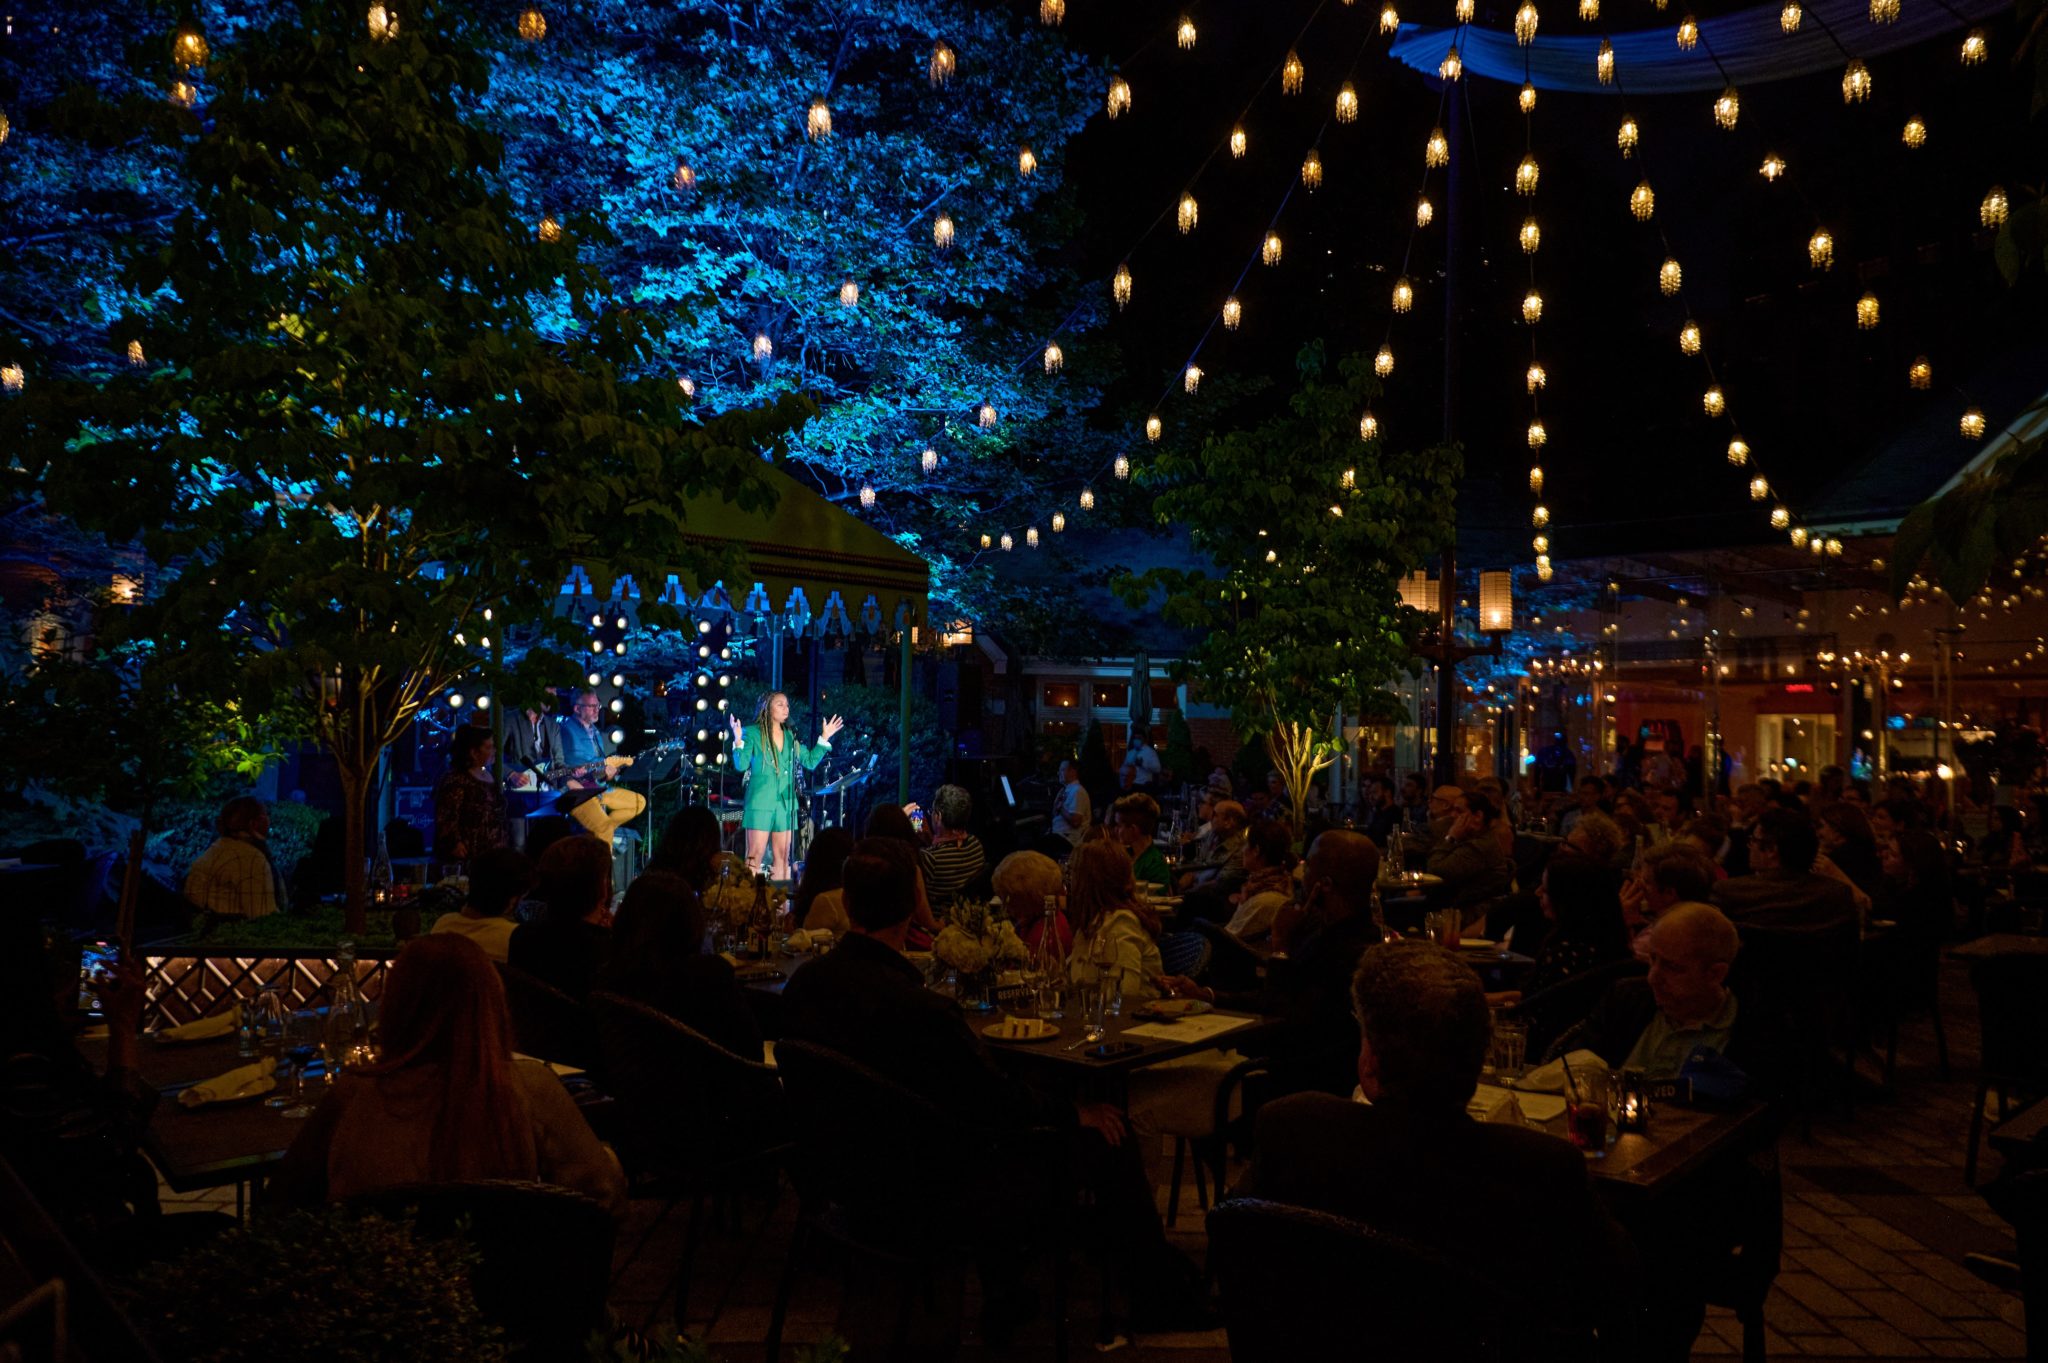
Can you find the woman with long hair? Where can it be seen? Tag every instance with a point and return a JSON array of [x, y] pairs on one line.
[[658, 958], [1582, 900], [446, 1102], [689, 846], [1113, 929], [768, 754], [819, 901], [469, 810]]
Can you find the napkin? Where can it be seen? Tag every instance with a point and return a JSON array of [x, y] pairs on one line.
[[1550, 1078], [200, 1029], [1493, 1104], [245, 1082]]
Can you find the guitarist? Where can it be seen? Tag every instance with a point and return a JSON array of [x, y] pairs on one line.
[[586, 751], [533, 750]]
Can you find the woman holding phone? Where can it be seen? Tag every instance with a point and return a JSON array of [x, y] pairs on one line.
[[768, 754]]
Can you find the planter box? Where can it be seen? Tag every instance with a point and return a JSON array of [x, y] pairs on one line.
[[185, 983]]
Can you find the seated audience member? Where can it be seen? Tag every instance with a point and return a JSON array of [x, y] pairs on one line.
[[1502, 1201], [569, 942], [1317, 942], [1709, 833], [1581, 902], [1653, 1024], [1033, 892], [1587, 794], [1846, 839], [689, 846], [1134, 822], [1783, 892], [1501, 823], [1268, 885], [1598, 836], [1675, 873], [1382, 814], [446, 1102], [498, 880], [658, 958], [1110, 928], [1229, 822], [955, 858], [1072, 814], [819, 902], [234, 877], [893, 821], [865, 1001], [1469, 860]]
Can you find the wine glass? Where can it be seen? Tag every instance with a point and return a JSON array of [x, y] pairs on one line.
[[301, 1044]]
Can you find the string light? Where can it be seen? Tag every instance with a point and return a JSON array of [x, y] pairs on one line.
[[1976, 47], [1527, 99], [1589, 11], [1438, 150], [1780, 518], [1233, 313], [685, 177], [1603, 65], [1855, 82], [1866, 312], [1536, 486], [945, 61], [1312, 172], [1463, 11], [1390, 19], [942, 231], [1738, 452], [1759, 488], [1714, 401], [849, 295], [1689, 338], [1269, 253], [1670, 277], [818, 121], [1532, 307], [1773, 167], [985, 416], [1972, 424], [1368, 426], [1404, 295], [1383, 362], [1628, 136], [1052, 13], [1238, 143], [1348, 480], [1642, 201], [1526, 176], [383, 24], [1291, 73], [1008, 543], [1799, 536], [986, 541], [688, 386], [549, 229], [1059, 521], [1087, 499], [1539, 516], [135, 356], [1118, 101], [1688, 34], [1347, 104], [1992, 212], [1055, 358], [190, 49], [1424, 211], [1187, 215], [12, 380], [1525, 24], [929, 460], [1532, 236], [1451, 67], [867, 495], [1915, 134], [184, 94], [1027, 162], [1191, 378], [1820, 250], [1121, 468], [1185, 34], [1790, 16], [1120, 286], [1884, 11], [1920, 376], [1728, 107], [1154, 428], [533, 26], [764, 348], [1536, 378], [1538, 437]]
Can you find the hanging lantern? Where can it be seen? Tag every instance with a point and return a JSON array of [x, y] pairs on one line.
[[1087, 499], [1525, 24], [1496, 601], [1532, 307], [985, 416], [1368, 426], [1390, 19], [1728, 108], [1544, 570], [867, 494], [1059, 521], [1238, 143], [945, 61], [1055, 359], [1688, 34], [818, 119], [1799, 537], [1291, 73], [1972, 424], [1915, 133], [184, 94], [1233, 313], [1884, 11], [1603, 65], [985, 541], [550, 230], [1191, 379], [1834, 547], [533, 26], [1790, 15], [1536, 484], [1312, 172], [1866, 312], [849, 294], [1538, 437], [1689, 338], [1532, 236], [764, 348], [1404, 294], [1780, 518], [1992, 212], [929, 460], [1464, 10], [1773, 167], [1526, 176], [942, 231], [1536, 378], [1121, 468], [1120, 286], [1714, 401], [1185, 34], [1154, 428], [1418, 592], [12, 379], [1438, 150], [1008, 543], [1451, 67], [1027, 162], [1627, 137], [1349, 480], [1670, 277], [1920, 377], [1425, 212], [189, 49], [1186, 215], [685, 176], [383, 24], [1118, 100], [1855, 82], [1738, 452], [1759, 488], [135, 354], [5, 127], [1269, 253], [1642, 201], [1589, 11], [1052, 12], [688, 386], [1539, 516], [1976, 47], [1347, 104], [1527, 99], [1383, 362], [1820, 250]]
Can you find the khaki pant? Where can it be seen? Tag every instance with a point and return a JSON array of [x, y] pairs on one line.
[[609, 810]]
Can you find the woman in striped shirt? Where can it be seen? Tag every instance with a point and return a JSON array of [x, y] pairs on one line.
[[955, 859]]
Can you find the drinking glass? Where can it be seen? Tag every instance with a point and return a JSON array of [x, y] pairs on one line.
[[301, 1045], [1443, 927], [1094, 1002], [1510, 1049], [271, 1016], [1585, 1110]]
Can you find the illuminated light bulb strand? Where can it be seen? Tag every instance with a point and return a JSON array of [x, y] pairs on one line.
[[1536, 377]]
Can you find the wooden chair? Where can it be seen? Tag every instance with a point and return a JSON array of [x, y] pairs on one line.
[[548, 1024]]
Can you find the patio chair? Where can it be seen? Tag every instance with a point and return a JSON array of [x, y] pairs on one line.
[[2012, 1016]]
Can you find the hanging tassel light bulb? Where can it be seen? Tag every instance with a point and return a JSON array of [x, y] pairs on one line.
[[1525, 24], [1292, 74], [550, 230], [1008, 543], [1059, 521], [1027, 162], [849, 294], [1532, 307], [1451, 67], [1191, 379], [1628, 136], [1154, 428], [1589, 11], [1539, 516], [1404, 294], [1714, 401], [1688, 33], [1820, 250], [1312, 172], [1972, 424], [1238, 143], [1347, 104], [1052, 13], [1532, 236], [1527, 98], [1425, 212], [1536, 378], [1463, 10], [764, 347], [1118, 100], [685, 177], [929, 460], [945, 61], [1738, 452], [1390, 19], [1884, 11], [1759, 488], [1368, 426], [1538, 437], [1642, 201], [1790, 16], [1437, 151], [1920, 376], [1526, 176], [1689, 338], [1670, 277], [383, 24], [818, 119], [12, 379], [1087, 499], [1187, 214], [1994, 210], [1914, 135], [1536, 479], [1866, 312], [1976, 47], [1121, 468], [1184, 35], [1269, 252], [1773, 167], [1233, 313], [985, 416], [1855, 82], [1383, 362], [867, 495], [1780, 518], [942, 231], [1603, 64], [533, 26], [1120, 286], [1055, 358], [1727, 108], [189, 49]]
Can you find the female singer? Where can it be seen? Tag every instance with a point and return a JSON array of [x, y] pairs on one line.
[[767, 753]]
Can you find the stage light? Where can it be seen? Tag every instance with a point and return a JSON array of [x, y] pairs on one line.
[[618, 679], [620, 623], [618, 708], [455, 700], [618, 735], [594, 679], [483, 702]]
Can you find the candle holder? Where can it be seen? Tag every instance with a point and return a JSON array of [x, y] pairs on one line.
[[1632, 1102]]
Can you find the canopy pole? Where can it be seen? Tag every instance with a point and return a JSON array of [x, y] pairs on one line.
[[903, 728]]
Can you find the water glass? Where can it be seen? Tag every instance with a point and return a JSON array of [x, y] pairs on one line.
[[1095, 1002], [1509, 1051], [1443, 927], [301, 1046], [1052, 995]]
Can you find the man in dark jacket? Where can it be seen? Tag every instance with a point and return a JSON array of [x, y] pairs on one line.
[[1783, 893]]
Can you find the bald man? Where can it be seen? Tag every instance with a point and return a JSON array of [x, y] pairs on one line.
[[1654, 1024]]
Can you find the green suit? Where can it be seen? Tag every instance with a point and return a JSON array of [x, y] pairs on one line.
[[771, 785]]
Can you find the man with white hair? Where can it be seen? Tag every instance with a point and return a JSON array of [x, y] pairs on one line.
[[1653, 1025]]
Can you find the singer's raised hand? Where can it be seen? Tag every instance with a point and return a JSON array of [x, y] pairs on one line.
[[832, 726], [734, 721]]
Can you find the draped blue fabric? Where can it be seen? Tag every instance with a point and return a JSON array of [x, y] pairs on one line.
[[1749, 46]]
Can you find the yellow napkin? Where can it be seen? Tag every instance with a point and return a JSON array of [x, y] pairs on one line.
[[201, 1029], [246, 1082]]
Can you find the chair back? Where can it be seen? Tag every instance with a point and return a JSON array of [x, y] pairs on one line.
[[547, 1023], [2023, 1201], [1552, 1012], [1185, 953], [546, 1254], [1398, 1299], [1231, 964], [686, 1104], [2012, 1016]]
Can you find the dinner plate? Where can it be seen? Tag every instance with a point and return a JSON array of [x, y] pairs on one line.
[[993, 1031], [1170, 1009]]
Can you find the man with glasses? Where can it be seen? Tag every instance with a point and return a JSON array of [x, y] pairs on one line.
[[587, 749]]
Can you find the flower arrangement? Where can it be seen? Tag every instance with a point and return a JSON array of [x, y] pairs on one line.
[[733, 896], [977, 938]]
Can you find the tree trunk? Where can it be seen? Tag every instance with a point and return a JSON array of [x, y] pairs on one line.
[[1292, 748], [354, 874]]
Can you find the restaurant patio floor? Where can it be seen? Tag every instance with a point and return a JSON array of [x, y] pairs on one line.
[[1877, 1224]]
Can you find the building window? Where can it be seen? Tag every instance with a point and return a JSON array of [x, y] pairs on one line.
[[1112, 695], [1062, 696]]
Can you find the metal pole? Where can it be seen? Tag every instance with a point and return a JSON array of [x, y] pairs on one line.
[[903, 730], [1446, 755]]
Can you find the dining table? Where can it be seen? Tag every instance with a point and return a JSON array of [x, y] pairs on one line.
[[216, 1145]]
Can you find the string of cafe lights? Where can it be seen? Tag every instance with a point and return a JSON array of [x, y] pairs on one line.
[[1530, 237]]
